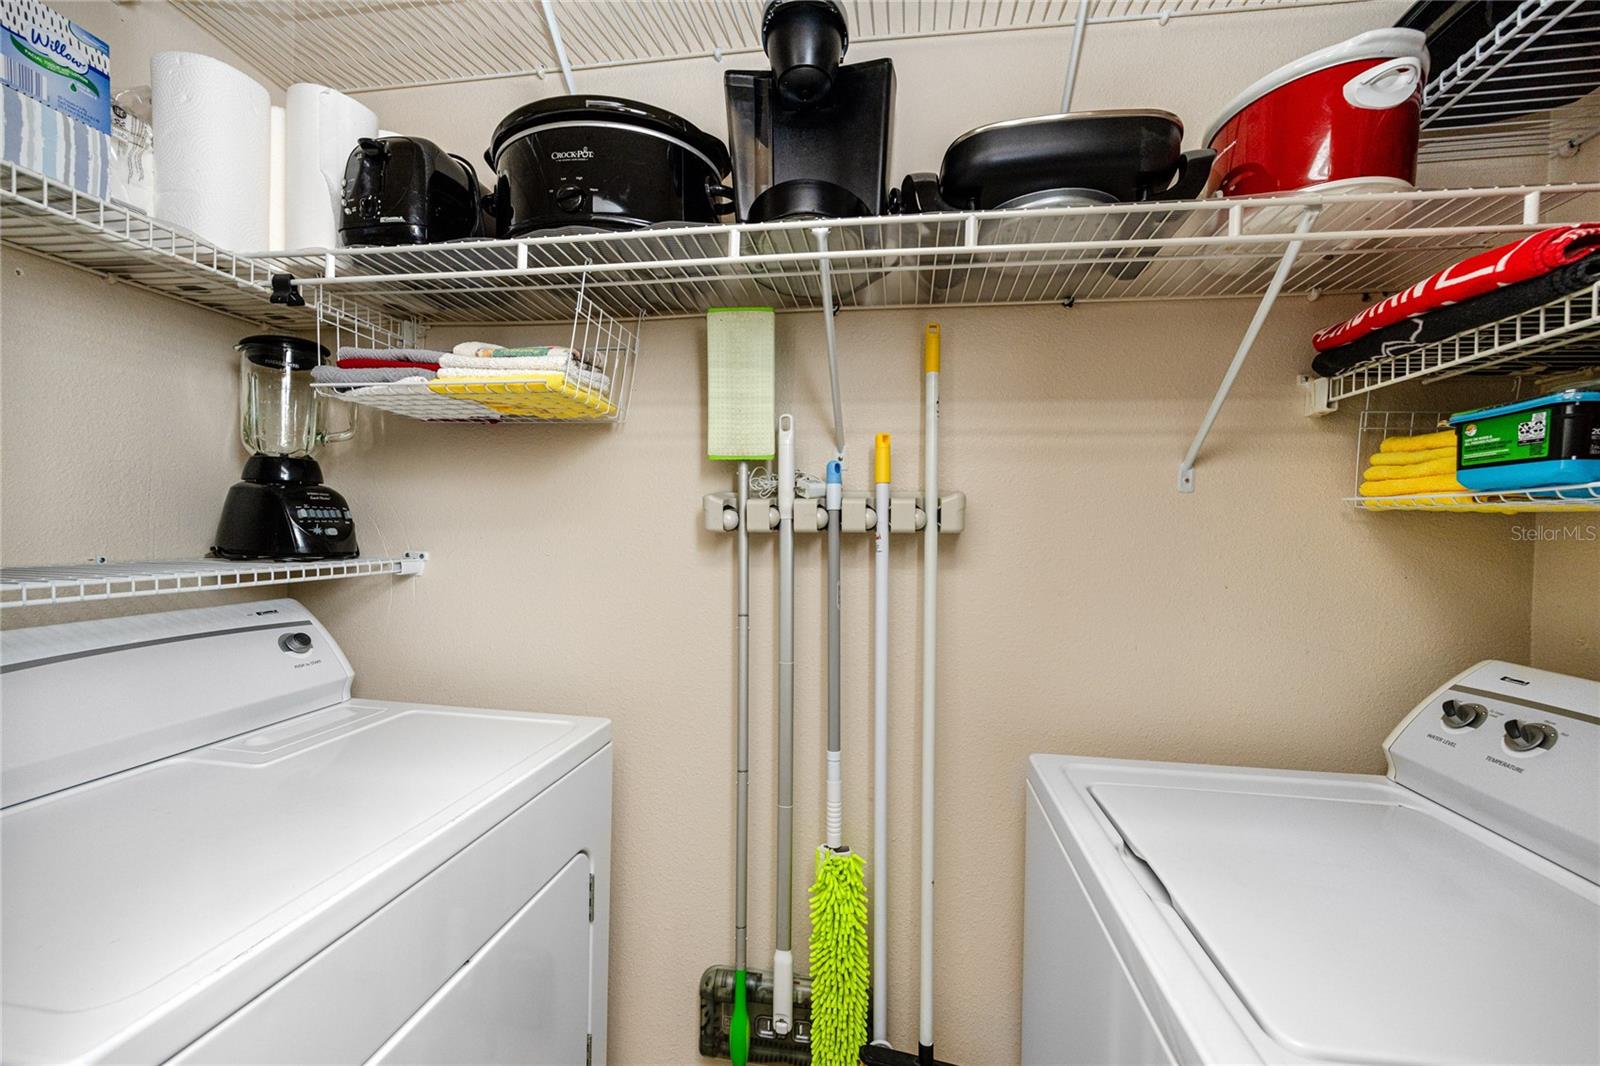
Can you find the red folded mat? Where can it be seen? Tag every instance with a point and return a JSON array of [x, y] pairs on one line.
[[377, 364], [1529, 258]]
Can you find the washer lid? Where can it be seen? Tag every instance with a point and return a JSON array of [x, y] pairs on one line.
[[1370, 931], [141, 909]]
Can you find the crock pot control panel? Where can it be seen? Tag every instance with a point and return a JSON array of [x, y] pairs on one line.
[[1516, 750]]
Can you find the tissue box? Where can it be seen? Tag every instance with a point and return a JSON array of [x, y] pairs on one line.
[[48, 58], [51, 143]]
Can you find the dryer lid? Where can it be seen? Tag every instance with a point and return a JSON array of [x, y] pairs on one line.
[[142, 908], [1375, 931]]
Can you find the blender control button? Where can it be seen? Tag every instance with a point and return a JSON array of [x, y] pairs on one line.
[[295, 643]]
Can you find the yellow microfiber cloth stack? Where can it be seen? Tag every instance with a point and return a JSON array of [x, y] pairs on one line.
[[1406, 466]]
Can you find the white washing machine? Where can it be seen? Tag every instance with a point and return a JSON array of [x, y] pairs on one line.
[[1446, 912], [211, 854]]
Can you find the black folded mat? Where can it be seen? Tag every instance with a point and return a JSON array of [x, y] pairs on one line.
[[1446, 322]]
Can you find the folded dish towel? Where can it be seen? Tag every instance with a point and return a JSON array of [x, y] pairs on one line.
[[1411, 458], [532, 362], [338, 375], [1531, 257], [401, 355], [384, 364], [1410, 486], [1445, 438], [574, 374], [1390, 472], [476, 349]]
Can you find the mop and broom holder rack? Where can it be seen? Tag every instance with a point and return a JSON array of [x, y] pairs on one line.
[[906, 513]]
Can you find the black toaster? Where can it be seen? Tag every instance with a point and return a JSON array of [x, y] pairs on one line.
[[407, 190]]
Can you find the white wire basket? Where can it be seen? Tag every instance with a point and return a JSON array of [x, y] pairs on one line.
[[592, 388], [1376, 425]]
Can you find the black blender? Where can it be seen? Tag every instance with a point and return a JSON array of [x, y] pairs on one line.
[[282, 510]]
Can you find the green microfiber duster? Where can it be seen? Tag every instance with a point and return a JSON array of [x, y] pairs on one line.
[[840, 962]]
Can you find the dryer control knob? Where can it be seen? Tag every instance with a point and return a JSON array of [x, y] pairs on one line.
[[1459, 715], [295, 643], [1528, 736]]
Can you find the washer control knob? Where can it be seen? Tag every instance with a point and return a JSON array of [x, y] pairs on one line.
[[295, 643], [1527, 736], [1459, 715]]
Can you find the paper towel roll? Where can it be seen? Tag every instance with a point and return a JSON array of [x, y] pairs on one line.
[[323, 128], [277, 197], [213, 144]]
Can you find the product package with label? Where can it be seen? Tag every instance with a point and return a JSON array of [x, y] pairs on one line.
[[48, 58], [1552, 440], [55, 104], [133, 159]]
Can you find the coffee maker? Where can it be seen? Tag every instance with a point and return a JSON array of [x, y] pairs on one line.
[[282, 510], [809, 138]]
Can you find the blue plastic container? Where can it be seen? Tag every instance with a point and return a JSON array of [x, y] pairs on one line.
[[1552, 440]]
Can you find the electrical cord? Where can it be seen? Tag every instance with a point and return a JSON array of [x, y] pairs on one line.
[[764, 484]]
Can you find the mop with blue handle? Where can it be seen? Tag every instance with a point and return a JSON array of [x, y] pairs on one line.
[[840, 964]]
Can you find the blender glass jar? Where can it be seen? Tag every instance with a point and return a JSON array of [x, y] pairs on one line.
[[279, 413]]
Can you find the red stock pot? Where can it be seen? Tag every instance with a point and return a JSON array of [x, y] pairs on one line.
[[1346, 116]]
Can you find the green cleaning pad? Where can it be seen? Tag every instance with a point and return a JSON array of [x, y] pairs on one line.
[[741, 410]]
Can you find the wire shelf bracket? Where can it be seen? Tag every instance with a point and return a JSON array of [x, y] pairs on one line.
[[32, 586], [1259, 319]]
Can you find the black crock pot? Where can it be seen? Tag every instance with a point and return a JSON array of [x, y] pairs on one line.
[[605, 162]]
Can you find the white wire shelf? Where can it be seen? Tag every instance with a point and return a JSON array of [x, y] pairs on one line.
[[1376, 242], [1557, 338], [58, 222], [357, 45], [1376, 425], [30, 586], [1513, 94], [1556, 499]]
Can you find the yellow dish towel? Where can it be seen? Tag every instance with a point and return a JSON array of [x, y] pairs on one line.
[[1409, 486], [1407, 458], [1410, 470], [1445, 438], [547, 395]]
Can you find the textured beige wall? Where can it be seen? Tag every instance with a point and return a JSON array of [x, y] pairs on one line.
[[1566, 593], [1088, 607]]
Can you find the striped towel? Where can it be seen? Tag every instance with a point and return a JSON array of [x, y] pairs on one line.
[[393, 355], [337, 375]]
